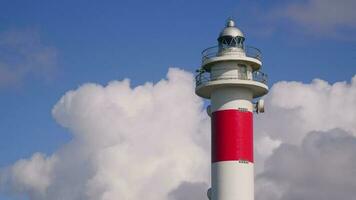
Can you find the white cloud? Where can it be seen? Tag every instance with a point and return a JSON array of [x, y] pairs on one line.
[[128, 143], [31, 176], [294, 109], [23, 54], [313, 127], [152, 142]]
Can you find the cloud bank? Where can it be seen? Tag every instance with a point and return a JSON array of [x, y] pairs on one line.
[[310, 134], [152, 142], [128, 143]]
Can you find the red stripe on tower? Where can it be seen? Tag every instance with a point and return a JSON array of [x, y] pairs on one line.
[[232, 135]]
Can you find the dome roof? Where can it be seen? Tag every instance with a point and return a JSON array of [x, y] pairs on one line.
[[231, 30]]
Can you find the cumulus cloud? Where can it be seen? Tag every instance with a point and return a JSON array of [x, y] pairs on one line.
[[31, 176], [294, 109], [308, 137], [152, 142], [128, 143], [23, 54]]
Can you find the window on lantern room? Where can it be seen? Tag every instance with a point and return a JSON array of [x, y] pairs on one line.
[[228, 41], [240, 41], [233, 42]]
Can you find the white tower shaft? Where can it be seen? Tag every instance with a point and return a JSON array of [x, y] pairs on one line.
[[230, 77]]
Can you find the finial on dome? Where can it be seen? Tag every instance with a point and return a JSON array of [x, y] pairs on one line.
[[230, 22], [230, 29]]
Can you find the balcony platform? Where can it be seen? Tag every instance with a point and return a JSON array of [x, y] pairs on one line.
[[205, 89], [248, 54], [205, 84]]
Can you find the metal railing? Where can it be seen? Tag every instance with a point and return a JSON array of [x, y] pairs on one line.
[[204, 77], [211, 52]]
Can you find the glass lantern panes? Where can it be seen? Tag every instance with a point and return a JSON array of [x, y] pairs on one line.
[[228, 41]]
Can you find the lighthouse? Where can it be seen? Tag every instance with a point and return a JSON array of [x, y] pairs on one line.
[[230, 76]]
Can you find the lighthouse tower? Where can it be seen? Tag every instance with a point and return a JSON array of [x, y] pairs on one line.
[[230, 77]]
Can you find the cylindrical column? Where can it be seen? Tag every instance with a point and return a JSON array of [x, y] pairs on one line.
[[232, 144]]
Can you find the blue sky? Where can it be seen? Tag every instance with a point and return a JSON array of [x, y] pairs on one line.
[[92, 41]]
